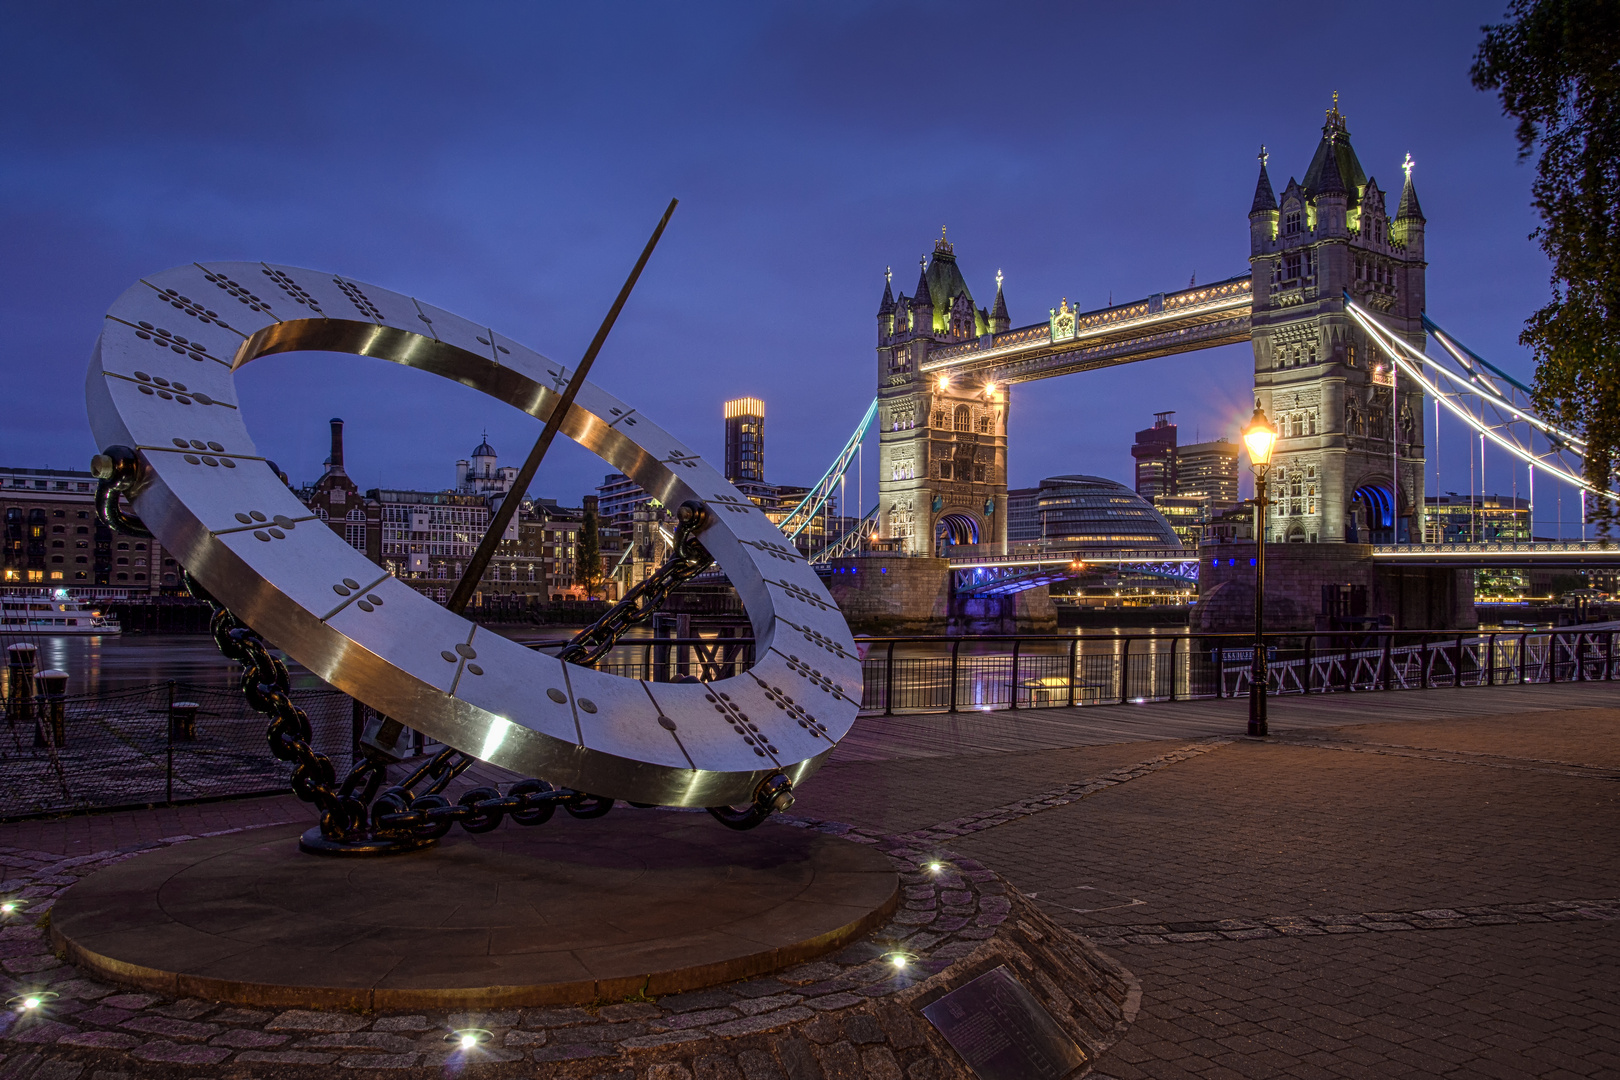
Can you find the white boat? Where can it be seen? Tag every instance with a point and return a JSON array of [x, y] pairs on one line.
[[51, 614]]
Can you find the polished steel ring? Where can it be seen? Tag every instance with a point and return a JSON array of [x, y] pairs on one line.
[[161, 381]]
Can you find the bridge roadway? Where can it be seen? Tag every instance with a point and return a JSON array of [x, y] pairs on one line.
[[990, 571], [1200, 317]]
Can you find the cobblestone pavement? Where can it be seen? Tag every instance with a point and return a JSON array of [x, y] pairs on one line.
[[1436, 896], [1295, 910]]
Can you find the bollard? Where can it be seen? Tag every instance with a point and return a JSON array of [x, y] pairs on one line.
[[53, 706], [20, 684], [183, 721]]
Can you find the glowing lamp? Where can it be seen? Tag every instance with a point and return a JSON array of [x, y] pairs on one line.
[[1260, 436], [989, 389], [30, 1002], [899, 962], [469, 1041], [944, 382]]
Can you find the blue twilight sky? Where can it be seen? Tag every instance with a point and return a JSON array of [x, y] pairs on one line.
[[507, 161]]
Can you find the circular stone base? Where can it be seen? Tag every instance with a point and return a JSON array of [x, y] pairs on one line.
[[565, 913]]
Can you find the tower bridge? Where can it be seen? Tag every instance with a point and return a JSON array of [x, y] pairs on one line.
[[1349, 462]]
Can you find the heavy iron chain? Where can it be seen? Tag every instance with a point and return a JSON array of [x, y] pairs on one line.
[[687, 559], [354, 816]]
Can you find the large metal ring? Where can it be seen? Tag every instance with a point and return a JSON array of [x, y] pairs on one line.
[[161, 381]]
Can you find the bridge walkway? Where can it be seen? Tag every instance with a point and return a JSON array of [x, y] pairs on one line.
[[939, 735]]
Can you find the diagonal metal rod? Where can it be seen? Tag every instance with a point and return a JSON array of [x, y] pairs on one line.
[[509, 505]]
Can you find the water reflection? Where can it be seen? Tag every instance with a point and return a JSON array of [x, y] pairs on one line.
[[100, 664]]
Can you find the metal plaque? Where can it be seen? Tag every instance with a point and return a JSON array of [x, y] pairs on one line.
[[162, 381], [1002, 1032]]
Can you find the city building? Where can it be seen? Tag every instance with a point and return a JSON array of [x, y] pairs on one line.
[[52, 539], [618, 496], [745, 440], [1090, 511], [481, 476], [1155, 454], [1187, 515], [1023, 514], [1208, 470], [338, 502], [1475, 519]]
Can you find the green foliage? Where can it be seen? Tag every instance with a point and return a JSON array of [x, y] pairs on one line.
[[1556, 65], [588, 560]]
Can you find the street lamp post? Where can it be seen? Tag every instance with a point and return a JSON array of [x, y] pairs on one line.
[[1260, 437]]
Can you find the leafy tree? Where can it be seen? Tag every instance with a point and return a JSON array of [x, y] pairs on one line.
[[588, 555], [1556, 65]]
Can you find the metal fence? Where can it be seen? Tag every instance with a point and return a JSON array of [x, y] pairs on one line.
[[162, 743], [666, 659], [938, 674]]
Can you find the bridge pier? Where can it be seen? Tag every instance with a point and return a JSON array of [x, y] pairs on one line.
[[900, 595], [1328, 587]]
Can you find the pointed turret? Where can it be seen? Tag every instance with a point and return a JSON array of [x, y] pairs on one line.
[[1409, 209], [1263, 212], [1407, 229], [887, 307], [922, 304], [1265, 199], [1331, 183], [1000, 323]]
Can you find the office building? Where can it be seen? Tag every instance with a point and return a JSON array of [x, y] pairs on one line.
[[1208, 470], [1475, 519], [745, 440], [1155, 454], [52, 539]]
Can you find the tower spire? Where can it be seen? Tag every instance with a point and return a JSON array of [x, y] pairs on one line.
[[888, 293], [1000, 323], [1409, 209], [1265, 199]]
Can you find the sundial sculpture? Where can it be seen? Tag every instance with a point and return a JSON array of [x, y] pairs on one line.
[[162, 402]]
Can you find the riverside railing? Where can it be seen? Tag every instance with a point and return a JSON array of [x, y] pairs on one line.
[[953, 674], [163, 743]]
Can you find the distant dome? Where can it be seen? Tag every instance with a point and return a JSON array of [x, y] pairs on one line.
[[1092, 511], [483, 450]]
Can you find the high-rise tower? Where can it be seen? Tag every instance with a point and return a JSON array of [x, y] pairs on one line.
[[1349, 459], [942, 469], [745, 440]]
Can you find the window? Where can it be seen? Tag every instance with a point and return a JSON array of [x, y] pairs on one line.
[[1291, 223], [1291, 266], [964, 418], [984, 425]]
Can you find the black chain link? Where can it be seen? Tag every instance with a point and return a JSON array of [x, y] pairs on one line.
[[686, 560]]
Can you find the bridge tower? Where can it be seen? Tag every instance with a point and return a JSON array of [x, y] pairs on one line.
[[942, 462], [1349, 462]]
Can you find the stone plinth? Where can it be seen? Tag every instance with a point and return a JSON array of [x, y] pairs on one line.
[[564, 913]]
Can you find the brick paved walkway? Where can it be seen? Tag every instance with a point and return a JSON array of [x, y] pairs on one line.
[[1436, 893]]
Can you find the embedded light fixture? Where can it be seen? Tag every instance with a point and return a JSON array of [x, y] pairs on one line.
[[944, 382], [468, 1038], [989, 389], [899, 959], [27, 1003]]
